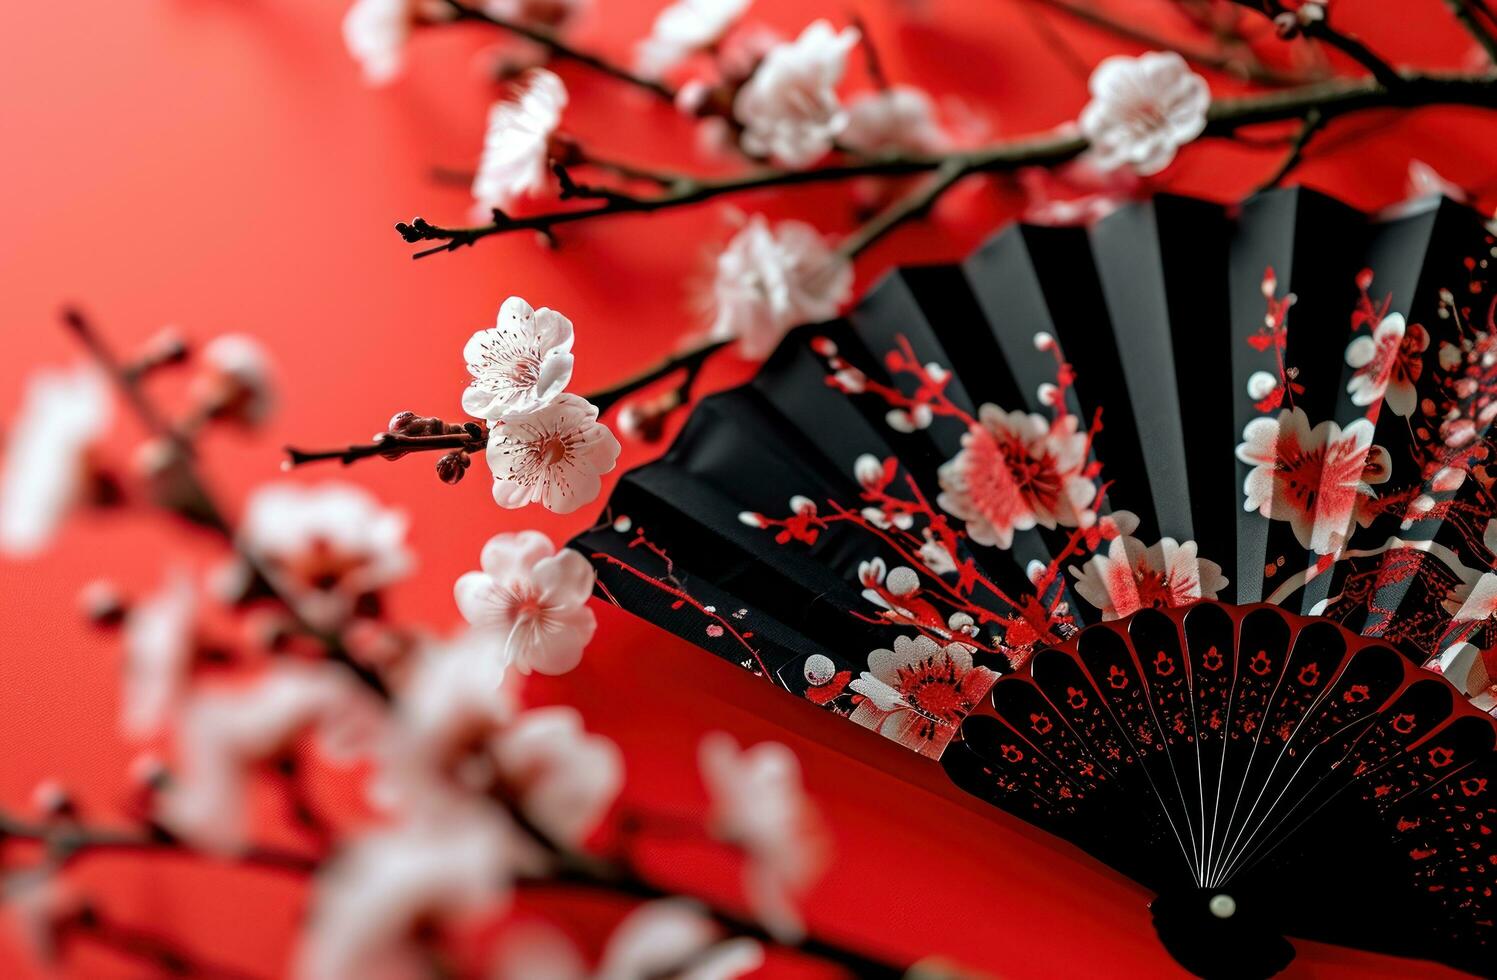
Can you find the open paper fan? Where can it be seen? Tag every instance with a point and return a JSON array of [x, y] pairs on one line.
[[1287, 404]]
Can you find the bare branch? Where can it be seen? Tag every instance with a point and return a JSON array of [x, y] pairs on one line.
[[1313, 122], [1462, 9]]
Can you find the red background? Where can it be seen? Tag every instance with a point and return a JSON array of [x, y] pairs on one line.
[[217, 164]]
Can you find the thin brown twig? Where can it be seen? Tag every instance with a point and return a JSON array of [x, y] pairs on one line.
[[1462, 11], [390, 445], [1321, 30], [1295, 154], [561, 49], [1332, 98]]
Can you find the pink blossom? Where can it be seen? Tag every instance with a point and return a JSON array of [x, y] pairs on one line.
[[533, 599], [771, 279], [520, 364], [760, 807], [789, 108], [554, 456], [1311, 478], [1142, 110], [1015, 471], [1134, 576], [1388, 364], [919, 692], [517, 143]]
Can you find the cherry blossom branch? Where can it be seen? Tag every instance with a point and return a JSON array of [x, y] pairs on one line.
[[1332, 98], [1249, 68], [194, 501], [691, 361], [388, 445], [1463, 12], [1313, 123], [560, 48], [1321, 30]]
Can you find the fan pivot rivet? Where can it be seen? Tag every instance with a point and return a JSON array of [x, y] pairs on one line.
[[1223, 906]]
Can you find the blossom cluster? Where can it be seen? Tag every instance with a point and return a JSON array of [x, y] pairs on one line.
[[282, 660]]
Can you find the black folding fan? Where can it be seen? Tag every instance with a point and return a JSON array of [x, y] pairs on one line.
[[1043, 464]]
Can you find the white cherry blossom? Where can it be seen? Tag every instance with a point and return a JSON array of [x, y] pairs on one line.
[[555, 456], [789, 108], [65, 412], [236, 384], [517, 143], [667, 937], [160, 641], [367, 904], [565, 778], [327, 544], [223, 732], [533, 599], [897, 118], [760, 807], [1143, 109], [771, 279], [520, 364], [684, 28], [375, 33]]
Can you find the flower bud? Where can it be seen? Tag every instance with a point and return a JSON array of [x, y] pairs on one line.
[[452, 467]]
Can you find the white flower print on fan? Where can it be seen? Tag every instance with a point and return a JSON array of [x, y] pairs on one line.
[[1388, 364], [789, 108], [1014, 471], [555, 456], [517, 142], [520, 364], [1134, 576], [919, 692], [1314, 479], [1142, 110]]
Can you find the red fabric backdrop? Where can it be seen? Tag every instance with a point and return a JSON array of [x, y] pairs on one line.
[[218, 165]]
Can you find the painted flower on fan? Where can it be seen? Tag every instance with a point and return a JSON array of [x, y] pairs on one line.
[[520, 364], [375, 33], [789, 108], [555, 456], [46, 470], [517, 143], [1134, 576], [224, 733], [1014, 471], [760, 807], [235, 385], [159, 642], [919, 692], [1473, 671], [564, 778], [683, 29], [1316, 479], [1142, 110], [533, 599], [670, 937], [897, 118], [330, 545], [771, 279], [1388, 365], [370, 903]]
